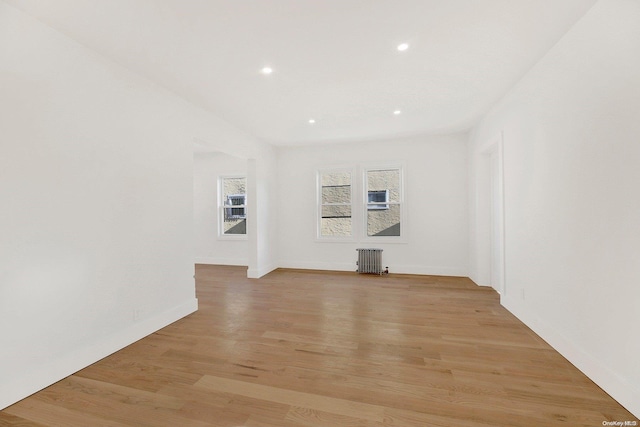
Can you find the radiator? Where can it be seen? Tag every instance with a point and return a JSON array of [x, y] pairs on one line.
[[370, 261]]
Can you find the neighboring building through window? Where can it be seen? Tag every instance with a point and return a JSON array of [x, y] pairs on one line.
[[238, 212], [378, 199], [335, 203], [233, 206], [384, 197]]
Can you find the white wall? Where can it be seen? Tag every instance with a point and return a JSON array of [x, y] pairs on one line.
[[209, 247], [572, 226], [96, 183], [263, 214], [436, 205]]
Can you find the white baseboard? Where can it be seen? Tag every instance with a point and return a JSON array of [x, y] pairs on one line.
[[618, 387], [399, 269], [329, 266], [221, 261], [43, 376], [479, 282], [427, 270], [256, 273]]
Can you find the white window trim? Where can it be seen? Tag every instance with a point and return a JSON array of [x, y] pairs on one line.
[[335, 239], [221, 206]]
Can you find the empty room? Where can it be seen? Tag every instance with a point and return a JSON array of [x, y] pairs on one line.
[[334, 213]]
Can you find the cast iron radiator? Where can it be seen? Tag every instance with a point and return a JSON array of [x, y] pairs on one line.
[[369, 261]]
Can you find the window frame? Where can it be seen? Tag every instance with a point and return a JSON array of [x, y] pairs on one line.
[[222, 208]]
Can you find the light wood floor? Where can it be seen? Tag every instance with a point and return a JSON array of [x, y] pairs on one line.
[[305, 348]]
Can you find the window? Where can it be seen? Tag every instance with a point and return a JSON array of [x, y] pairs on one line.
[[384, 202], [378, 199], [377, 213], [334, 197], [233, 206], [235, 213]]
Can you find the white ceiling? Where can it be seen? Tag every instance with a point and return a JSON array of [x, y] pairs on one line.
[[334, 60]]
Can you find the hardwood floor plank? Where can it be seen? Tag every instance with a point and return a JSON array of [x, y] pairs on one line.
[[289, 397], [47, 414], [314, 418], [9, 420]]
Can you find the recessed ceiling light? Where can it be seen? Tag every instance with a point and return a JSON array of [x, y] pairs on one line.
[[397, 113], [402, 47], [267, 70], [312, 121]]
